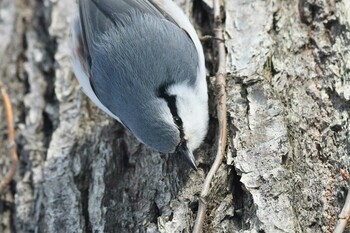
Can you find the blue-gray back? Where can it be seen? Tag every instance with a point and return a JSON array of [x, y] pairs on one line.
[[134, 52]]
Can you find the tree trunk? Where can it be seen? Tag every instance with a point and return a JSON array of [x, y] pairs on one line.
[[288, 86]]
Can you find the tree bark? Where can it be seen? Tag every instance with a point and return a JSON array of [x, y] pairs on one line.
[[288, 87]]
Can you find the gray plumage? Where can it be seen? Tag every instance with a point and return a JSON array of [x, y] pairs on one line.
[[134, 51]]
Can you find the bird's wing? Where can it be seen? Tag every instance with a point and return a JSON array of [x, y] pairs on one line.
[[97, 16], [82, 68], [173, 13]]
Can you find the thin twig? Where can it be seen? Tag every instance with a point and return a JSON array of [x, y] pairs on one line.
[[11, 139], [222, 116], [209, 37], [344, 216]]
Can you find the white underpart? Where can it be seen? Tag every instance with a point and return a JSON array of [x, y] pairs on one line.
[[192, 108], [80, 74]]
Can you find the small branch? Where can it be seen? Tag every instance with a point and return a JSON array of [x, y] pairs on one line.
[[11, 138], [209, 37], [222, 116], [344, 216]]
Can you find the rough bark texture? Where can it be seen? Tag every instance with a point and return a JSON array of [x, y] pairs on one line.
[[288, 100]]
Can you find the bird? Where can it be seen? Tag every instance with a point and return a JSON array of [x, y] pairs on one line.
[[142, 63]]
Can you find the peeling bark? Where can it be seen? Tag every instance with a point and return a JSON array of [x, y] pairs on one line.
[[288, 65]]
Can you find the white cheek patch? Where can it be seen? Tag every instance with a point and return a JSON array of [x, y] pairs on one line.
[[192, 108]]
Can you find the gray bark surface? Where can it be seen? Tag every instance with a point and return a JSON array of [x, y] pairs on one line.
[[288, 86]]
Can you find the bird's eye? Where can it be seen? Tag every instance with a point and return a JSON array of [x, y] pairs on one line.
[[177, 120]]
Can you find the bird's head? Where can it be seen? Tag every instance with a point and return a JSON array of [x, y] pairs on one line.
[[184, 115]]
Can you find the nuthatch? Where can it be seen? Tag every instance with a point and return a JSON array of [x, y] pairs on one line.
[[142, 63]]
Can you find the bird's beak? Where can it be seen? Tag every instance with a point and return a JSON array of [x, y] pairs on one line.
[[187, 154]]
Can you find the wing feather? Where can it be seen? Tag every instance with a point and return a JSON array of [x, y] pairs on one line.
[[96, 17]]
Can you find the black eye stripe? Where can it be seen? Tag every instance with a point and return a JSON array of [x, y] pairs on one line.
[[171, 101]]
